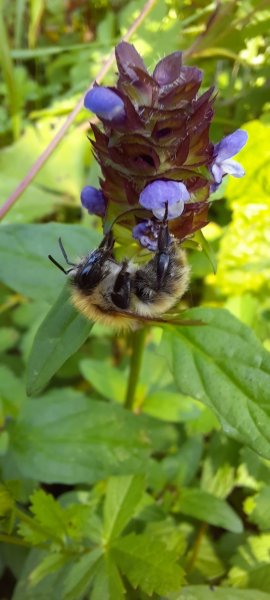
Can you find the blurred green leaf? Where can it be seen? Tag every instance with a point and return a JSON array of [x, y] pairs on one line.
[[223, 365], [251, 564], [8, 338], [24, 250], [80, 575], [171, 406], [244, 257], [147, 563], [108, 583], [112, 386], [205, 592], [257, 508], [66, 437], [122, 497], [180, 468], [60, 335], [12, 390], [203, 506], [62, 174], [207, 560]]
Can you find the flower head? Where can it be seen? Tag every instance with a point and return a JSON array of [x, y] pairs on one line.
[[153, 146], [223, 151], [93, 200], [157, 194]]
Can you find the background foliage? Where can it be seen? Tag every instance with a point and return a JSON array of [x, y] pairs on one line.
[[170, 500]]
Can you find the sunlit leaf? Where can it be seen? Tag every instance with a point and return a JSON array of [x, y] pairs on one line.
[[224, 366]]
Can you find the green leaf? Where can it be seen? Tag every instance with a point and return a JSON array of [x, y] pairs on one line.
[[50, 563], [60, 335], [6, 500], [180, 468], [112, 386], [207, 561], [80, 575], [36, 204], [244, 254], [147, 563], [219, 467], [223, 365], [12, 391], [251, 564], [207, 248], [8, 338], [205, 592], [257, 508], [24, 250], [51, 587], [203, 506], [65, 437], [123, 494], [171, 406], [63, 173], [107, 583]]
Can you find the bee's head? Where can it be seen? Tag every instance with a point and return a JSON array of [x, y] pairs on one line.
[[92, 268]]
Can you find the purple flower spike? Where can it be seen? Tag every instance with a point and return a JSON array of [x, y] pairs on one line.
[[156, 194], [105, 103], [93, 200], [223, 151]]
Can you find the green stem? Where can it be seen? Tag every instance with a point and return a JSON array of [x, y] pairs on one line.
[[138, 339], [12, 539], [196, 547]]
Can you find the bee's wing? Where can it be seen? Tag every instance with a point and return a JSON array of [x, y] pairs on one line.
[[171, 319]]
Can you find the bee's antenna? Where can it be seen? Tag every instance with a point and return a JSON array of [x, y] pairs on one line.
[[64, 255], [66, 271]]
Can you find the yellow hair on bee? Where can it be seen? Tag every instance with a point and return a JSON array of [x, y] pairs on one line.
[[95, 313], [96, 307]]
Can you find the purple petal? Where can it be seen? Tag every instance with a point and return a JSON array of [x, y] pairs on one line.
[[217, 172], [174, 210], [156, 194], [230, 145], [232, 167], [146, 233], [105, 103], [93, 200], [168, 69]]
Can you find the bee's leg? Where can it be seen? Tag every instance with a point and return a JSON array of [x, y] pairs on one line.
[[163, 254], [107, 243], [122, 288]]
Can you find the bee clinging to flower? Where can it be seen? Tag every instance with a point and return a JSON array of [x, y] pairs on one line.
[[123, 294], [155, 155]]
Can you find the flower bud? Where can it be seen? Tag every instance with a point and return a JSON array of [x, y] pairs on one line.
[[93, 200], [105, 103]]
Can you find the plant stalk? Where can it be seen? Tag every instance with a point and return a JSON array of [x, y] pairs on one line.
[[138, 340]]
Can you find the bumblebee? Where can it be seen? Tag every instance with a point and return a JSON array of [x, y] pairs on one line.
[[125, 295]]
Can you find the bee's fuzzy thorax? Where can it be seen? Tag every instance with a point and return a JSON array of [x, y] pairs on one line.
[[148, 299]]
